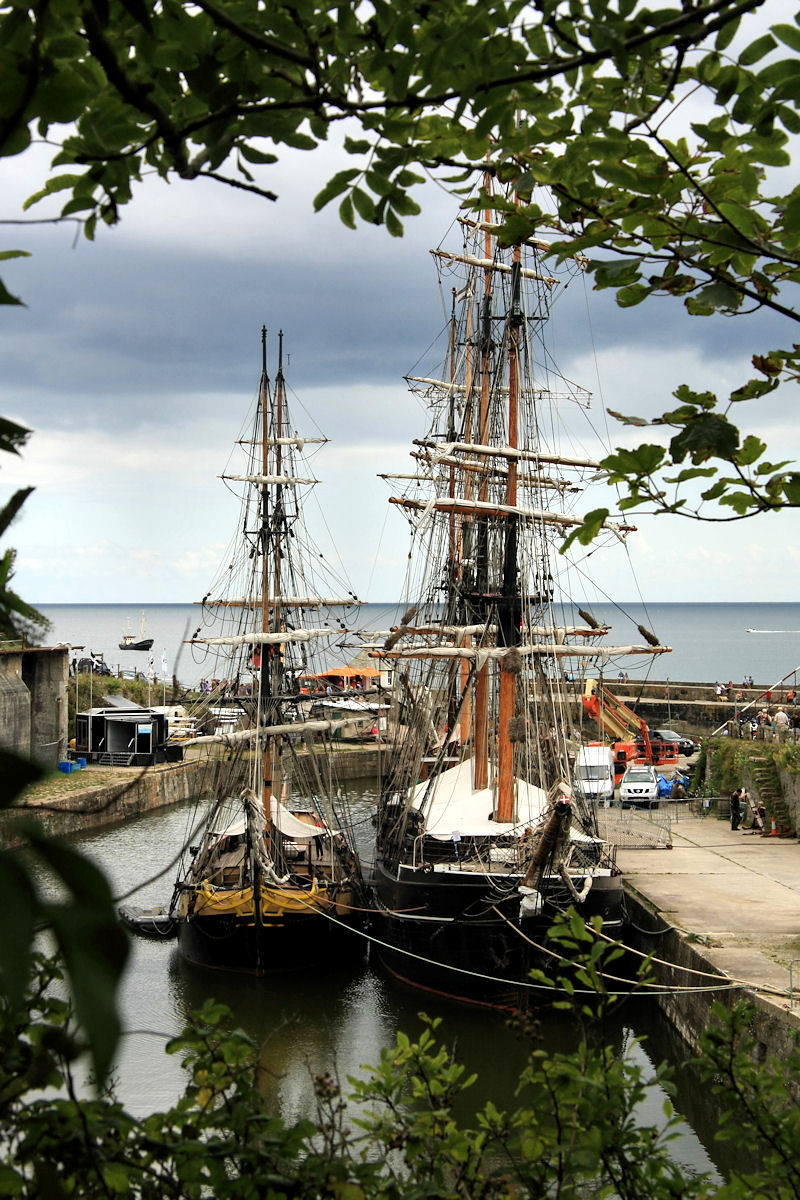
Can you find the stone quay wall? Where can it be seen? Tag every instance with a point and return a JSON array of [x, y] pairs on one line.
[[790, 786], [690, 1012], [135, 791]]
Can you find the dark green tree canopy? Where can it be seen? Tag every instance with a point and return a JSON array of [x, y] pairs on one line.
[[659, 151]]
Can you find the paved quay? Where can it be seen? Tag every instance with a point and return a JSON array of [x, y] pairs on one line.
[[735, 894]]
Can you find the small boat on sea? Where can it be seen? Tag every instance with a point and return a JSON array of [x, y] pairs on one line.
[[131, 642], [274, 883], [482, 839]]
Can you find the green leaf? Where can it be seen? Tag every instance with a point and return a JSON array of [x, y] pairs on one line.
[[16, 945], [751, 449], [139, 11], [334, 187], [364, 205], [11, 1182], [357, 145], [705, 436], [117, 1177], [615, 272], [789, 35], [7, 297], [726, 34], [9, 512], [346, 213], [640, 422], [393, 224], [251, 154], [588, 531], [12, 436], [692, 473], [92, 941], [16, 774], [57, 183], [714, 297], [639, 460], [757, 49], [627, 297], [791, 488]]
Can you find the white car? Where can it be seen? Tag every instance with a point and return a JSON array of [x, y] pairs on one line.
[[639, 787]]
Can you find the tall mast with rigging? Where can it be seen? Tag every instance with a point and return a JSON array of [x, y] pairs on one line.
[[265, 674], [509, 613], [481, 547]]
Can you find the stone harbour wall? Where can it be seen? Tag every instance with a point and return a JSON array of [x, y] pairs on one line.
[[774, 1027], [134, 793], [790, 784], [135, 790]]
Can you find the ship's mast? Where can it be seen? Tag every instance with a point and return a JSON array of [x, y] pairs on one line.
[[266, 681], [509, 613], [454, 525], [465, 534], [278, 514], [481, 548]]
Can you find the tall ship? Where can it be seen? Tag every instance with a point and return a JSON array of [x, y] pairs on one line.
[[482, 836], [274, 882]]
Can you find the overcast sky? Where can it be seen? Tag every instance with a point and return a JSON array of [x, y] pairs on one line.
[[136, 358]]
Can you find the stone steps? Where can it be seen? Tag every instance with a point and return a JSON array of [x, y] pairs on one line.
[[767, 785]]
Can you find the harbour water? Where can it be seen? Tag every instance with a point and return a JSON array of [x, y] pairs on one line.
[[339, 1022], [709, 642]]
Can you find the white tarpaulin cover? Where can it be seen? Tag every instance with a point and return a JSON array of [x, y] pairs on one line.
[[291, 826], [455, 807], [285, 821]]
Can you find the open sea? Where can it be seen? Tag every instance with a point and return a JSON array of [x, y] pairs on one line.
[[709, 642]]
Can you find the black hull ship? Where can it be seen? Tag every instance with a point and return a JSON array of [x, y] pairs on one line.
[[131, 642], [481, 838], [442, 940], [274, 884]]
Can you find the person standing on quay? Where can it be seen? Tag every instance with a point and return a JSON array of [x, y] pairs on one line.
[[780, 721], [736, 808]]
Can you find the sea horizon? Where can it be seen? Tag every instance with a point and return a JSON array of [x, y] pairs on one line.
[[709, 639]]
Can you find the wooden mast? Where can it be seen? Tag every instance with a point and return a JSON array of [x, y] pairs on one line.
[[265, 700], [466, 692], [273, 615], [454, 525], [481, 549], [509, 624]]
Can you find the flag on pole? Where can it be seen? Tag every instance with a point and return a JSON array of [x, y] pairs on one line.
[[164, 670]]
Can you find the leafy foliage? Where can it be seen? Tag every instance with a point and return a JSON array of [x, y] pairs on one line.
[[661, 154], [572, 1128], [17, 618], [758, 1103], [79, 916]]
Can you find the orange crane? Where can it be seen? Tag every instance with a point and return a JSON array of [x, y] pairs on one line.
[[619, 722]]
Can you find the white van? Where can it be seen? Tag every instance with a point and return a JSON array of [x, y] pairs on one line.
[[594, 773]]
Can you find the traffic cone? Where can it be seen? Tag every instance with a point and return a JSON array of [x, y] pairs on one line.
[[774, 830]]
